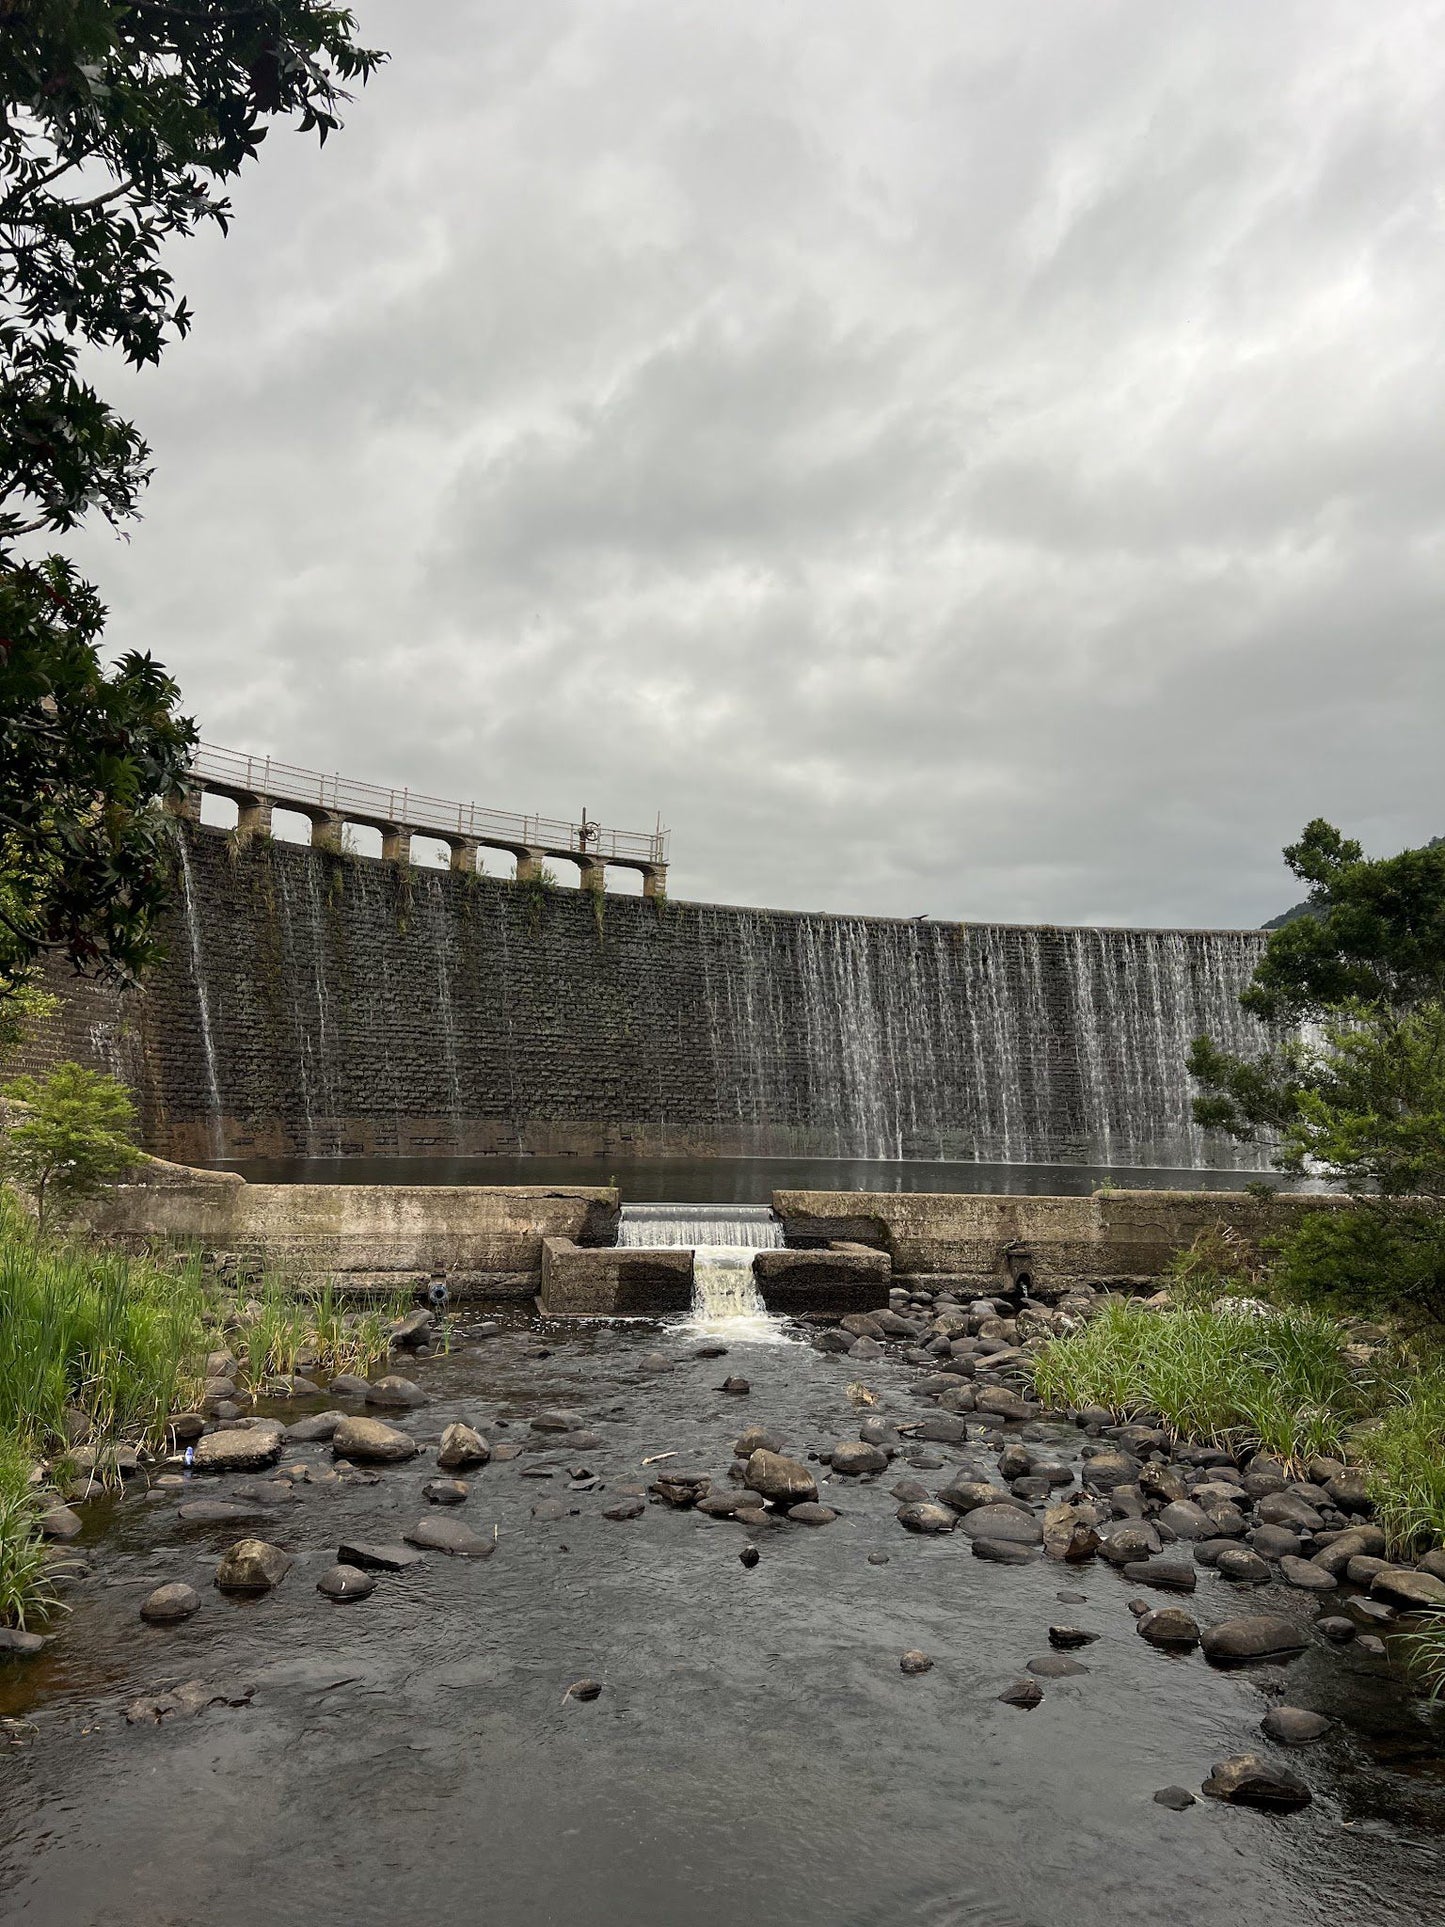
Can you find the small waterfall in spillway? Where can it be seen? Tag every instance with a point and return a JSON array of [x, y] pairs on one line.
[[203, 1001], [723, 1239]]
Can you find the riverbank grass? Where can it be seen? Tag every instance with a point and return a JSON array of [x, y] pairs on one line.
[[1258, 1378]]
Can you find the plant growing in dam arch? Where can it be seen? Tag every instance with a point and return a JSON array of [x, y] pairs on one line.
[[1354, 1089]]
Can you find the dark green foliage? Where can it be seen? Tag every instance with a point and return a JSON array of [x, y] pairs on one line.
[[1375, 933], [70, 1135], [1359, 1095], [1369, 1258], [85, 752], [116, 124]]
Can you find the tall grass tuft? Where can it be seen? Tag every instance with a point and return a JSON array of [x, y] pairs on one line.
[[90, 1332], [24, 1557], [1403, 1452], [1276, 1380], [1425, 1655], [288, 1321]]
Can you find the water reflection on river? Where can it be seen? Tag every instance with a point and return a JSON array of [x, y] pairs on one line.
[[756, 1754]]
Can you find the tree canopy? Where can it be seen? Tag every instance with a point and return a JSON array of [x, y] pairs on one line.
[[119, 123]]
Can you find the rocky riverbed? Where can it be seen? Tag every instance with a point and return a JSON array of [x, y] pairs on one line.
[[615, 1624]]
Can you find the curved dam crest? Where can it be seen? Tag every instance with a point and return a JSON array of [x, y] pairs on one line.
[[318, 1004]]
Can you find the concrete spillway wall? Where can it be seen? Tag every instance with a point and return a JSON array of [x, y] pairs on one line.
[[315, 1003]]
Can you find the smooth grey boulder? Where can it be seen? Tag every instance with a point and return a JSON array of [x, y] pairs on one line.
[[1306, 1575], [625, 1509], [244, 1449], [1170, 1628], [438, 1533], [1129, 1540], [810, 1513], [446, 1491], [371, 1442], [1055, 1666], [252, 1566], [1105, 1470], [1023, 1693], [1294, 1726], [854, 1456], [20, 1645], [1250, 1780], [417, 1328], [306, 1431], [1288, 1509], [966, 1495], [784, 1480], [461, 1448], [395, 1394], [1407, 1590], [168, 1605], [1187, 1521], [1244, 1567], [346, 1582], [1171, 1575], [1356, 1542], [348, 1385], [1276, 1542], [1003, 1552], [1006, 1524], [758, 1438], [60, 1524], [1256, 1636], [920, 1515]]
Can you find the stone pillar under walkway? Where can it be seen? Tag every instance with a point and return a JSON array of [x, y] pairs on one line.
[[253, 817]]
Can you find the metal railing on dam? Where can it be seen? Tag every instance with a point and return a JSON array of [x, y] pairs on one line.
[[260, 784]]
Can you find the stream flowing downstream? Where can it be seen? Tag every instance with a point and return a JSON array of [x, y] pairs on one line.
[[756, 1754]]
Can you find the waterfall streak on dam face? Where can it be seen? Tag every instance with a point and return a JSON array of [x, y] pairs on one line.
[[315, 1003]]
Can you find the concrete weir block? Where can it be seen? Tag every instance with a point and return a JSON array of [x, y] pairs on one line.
[[619, 1281], [841, 1278]]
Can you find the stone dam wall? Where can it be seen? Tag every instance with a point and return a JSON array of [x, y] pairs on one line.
[[314, 1003]]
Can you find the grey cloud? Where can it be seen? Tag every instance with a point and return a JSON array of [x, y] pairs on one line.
[[981, 462]]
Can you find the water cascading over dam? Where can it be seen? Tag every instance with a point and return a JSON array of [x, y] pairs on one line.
[[317, 1004]]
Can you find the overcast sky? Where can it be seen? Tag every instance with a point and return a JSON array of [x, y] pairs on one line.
[[959, 457]]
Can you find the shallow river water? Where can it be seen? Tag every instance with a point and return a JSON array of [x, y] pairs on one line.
[[756, 1754]]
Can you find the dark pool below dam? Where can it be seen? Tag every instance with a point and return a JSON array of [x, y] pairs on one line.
[[756, 1753]]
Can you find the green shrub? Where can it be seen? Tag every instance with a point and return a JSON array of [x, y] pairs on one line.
[[1371, 1257], [71, 1137]]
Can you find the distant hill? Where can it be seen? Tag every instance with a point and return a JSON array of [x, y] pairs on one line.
[[1304, 909]]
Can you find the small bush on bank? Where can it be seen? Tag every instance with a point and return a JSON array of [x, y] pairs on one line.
[[1373, 1258]]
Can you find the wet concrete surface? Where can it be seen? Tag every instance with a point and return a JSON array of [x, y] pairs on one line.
[[756, 1752]]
